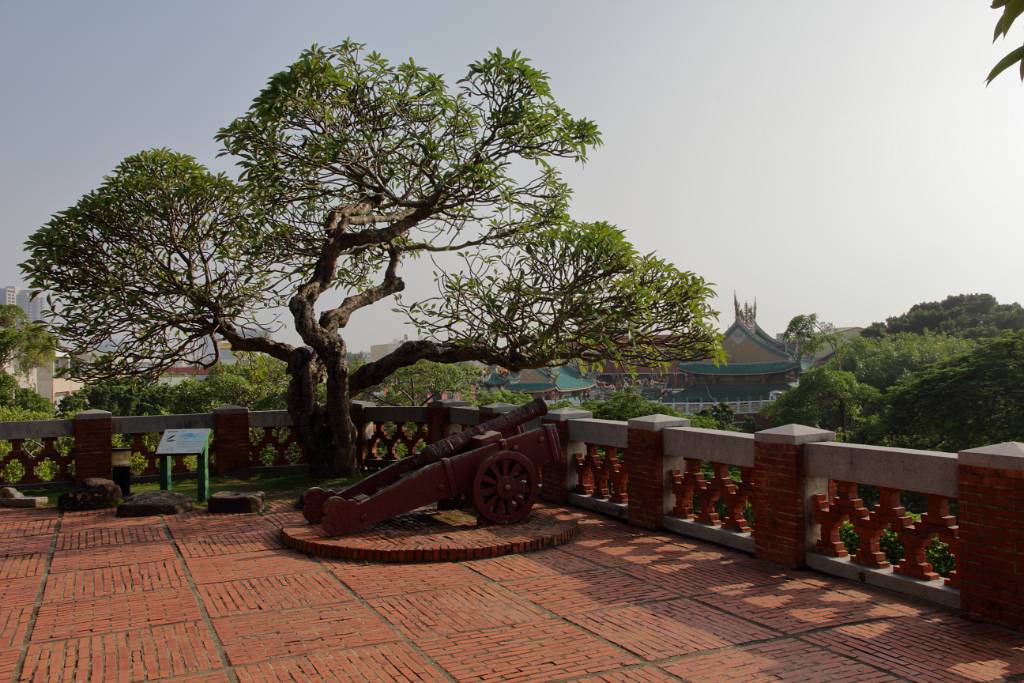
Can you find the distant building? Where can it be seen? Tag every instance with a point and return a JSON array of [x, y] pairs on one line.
[[550, 383], [378, 351]]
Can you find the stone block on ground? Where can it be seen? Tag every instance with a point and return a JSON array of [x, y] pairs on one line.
[[150, 503], [235, 502], [94, 493], [24, 502], [7, 492]]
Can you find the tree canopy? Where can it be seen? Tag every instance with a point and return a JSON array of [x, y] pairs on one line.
[[350, 166], [972, 316], [24, 344], [1010, 10], [826, 398], [973, 399], [882, 361]]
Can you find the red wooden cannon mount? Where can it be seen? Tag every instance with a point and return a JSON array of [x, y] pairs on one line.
[[495, 464]]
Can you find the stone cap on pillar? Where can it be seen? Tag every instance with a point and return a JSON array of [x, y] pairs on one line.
[[794, 435], [657, 422], [566, 414], [1000, 456], [228, 410], [94, 414], [498, 408]]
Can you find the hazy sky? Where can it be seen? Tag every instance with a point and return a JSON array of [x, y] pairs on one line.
[[841, 158]]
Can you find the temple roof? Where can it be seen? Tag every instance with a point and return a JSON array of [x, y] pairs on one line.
[[725, 392], [767, 368], [565, 379]]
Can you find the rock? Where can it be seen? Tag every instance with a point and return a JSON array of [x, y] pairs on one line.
[[24, 502], [93, 493], [150, 503], [10, 492], [236, 501]]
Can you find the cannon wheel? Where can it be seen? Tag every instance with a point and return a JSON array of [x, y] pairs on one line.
[[505, 487]]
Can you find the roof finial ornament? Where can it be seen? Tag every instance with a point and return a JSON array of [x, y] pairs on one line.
[[746, 314]]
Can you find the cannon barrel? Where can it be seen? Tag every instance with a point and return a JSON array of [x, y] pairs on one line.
[[460, 441]]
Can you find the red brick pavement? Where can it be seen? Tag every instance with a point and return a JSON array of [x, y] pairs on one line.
[[206, 599]]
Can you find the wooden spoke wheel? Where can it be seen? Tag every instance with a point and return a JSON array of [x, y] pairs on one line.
[[505, 487]]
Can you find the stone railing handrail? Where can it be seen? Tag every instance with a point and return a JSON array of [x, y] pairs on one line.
[[145, 424], [929, 472], [270, 418], [601, 432], [713, 445], [35, 429]]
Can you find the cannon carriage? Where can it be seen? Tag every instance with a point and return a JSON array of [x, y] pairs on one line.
[[495, 464]]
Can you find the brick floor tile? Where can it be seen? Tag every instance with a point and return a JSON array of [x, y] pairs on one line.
[[583, 591], [795, 606], [114, 613], [197, 524], [266, 593], [544, 563], [19, 592], [29, 526], [248, 565], [373, 664], [285, 518], [539, 651], [379, 580], [14, 622], [22, 565], [99, 537], [667, 629], [780, 660], [95, 519], [25, 545], [216, 544], [938, 647], [252, 638], [454, 610], [689, 577], [139, 655], [104, 581], [643, 674], [110, 556]]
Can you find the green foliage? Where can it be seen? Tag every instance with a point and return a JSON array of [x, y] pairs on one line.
[[416, 385], [882, 361], [23, 344], [625, 405], [826, 398], [19, 398], [516, 398], [1011, 9], [973, 399], [809, 336], [971, 316], [120, 397], [256, 381]]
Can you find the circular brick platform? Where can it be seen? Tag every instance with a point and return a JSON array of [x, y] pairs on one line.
[[432, 536]]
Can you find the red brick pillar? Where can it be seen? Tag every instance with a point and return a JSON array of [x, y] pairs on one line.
[[784, 525], [558, 478], [990, 563], [231, 448], [645, 465], [94, 431], [437, 421]]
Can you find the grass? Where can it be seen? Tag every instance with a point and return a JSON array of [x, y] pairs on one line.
[[286, 485]]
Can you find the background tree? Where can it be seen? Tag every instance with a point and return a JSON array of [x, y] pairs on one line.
[[418, 384], [809, 336], [881, 362], [971, 400], [827, 398], [24, 344], [351, 166], [971, 316], [627, 404]]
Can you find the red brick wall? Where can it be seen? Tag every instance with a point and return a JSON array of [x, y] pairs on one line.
[[991, 558], [779, 521], [93, 436], [231, 446], [645, 463]]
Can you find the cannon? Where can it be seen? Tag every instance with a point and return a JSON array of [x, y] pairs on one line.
[[495, 464]]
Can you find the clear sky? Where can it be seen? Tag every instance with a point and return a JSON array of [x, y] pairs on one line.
[[839, 158]]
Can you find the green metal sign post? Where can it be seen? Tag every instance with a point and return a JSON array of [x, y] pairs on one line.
[[177, 442]]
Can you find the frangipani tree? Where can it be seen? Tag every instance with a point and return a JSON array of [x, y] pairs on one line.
[[350, 167]]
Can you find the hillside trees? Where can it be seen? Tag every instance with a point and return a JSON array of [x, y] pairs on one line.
[[352, 166]]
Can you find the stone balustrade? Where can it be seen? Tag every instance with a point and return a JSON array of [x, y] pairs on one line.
[[946, 527]]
